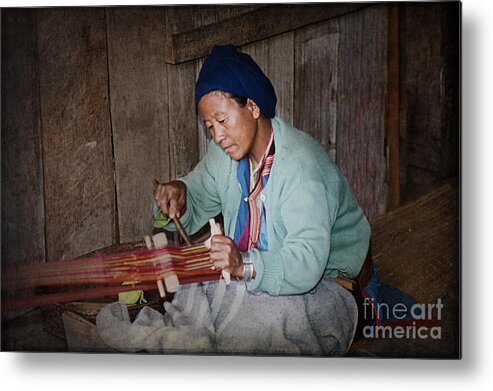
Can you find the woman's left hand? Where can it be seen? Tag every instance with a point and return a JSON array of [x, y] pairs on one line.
[[226, 256]]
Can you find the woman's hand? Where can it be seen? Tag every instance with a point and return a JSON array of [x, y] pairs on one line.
[[170, 197], [226, 256]]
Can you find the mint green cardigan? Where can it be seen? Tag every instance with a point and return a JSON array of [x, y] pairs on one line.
[[315, 227]]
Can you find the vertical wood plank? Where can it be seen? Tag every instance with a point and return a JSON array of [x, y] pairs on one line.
[[422, 60], [362, 87], [22, 239], [451, 17], [204, 136], [316, 70], [393, 108], [139, 112], [429, 93], [77, 155], [275, 58], [22, 171], [183, 133]]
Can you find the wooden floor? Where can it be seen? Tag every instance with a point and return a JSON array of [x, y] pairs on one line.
[[415, 248]]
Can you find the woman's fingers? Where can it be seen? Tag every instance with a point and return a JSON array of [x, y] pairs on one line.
[[161, 197], [222, 240], [224, 254], [217, 256], [170, 197], [221, 247], [173, 208]]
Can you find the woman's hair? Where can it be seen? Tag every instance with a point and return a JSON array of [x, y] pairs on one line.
[[241, 100]]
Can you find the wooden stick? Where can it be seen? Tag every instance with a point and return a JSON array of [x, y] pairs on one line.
[[170, 281], [216, 230], [160, 239], [160, 286], [182, 232]]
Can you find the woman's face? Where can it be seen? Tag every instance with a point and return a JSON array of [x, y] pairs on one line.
[[232, 127]]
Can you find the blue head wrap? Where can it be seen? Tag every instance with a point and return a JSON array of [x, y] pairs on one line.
[[229, 70]]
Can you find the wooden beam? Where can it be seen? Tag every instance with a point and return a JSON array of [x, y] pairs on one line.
[[393, 107], [250, 27]]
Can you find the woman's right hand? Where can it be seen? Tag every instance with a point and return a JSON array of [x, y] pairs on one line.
[[170, 197]]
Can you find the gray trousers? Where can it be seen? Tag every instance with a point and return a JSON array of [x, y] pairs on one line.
[[215, 318]]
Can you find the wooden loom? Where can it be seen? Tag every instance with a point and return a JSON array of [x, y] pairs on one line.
[[159, 263]]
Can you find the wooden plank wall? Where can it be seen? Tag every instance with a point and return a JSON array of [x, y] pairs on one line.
[[79, 191], [114, 116], [275, 57], [23, 230], [139, 113], [110, 114], [429, 96], [361, 105], [320, 76], [316, 82]]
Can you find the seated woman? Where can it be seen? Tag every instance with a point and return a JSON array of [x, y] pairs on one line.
[[291, 225]]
